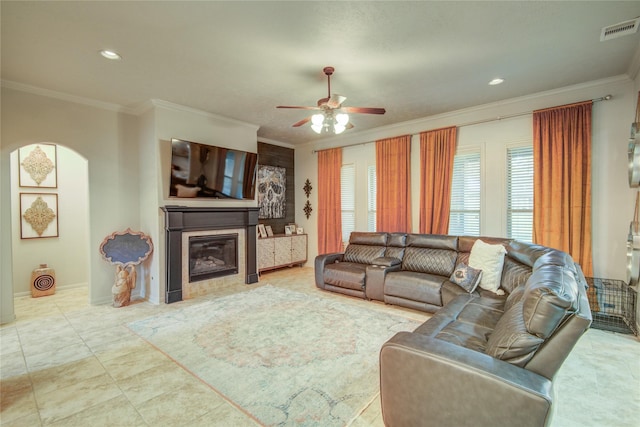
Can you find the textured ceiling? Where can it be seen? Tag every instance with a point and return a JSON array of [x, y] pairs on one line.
[[241, 59]]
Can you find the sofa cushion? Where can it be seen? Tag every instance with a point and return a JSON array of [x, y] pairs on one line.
[[466, 277], [514, 274], [489, 259], [510, 341], [429, 260], [550, 293], [414, 286], [368, 238], [362, 254], [345, 275]]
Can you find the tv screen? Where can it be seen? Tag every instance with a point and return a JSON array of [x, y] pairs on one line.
[[199, 170]]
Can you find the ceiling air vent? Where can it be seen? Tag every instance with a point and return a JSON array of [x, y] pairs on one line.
[[619, 30]]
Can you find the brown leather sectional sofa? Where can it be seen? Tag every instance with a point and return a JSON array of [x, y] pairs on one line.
[[482, 359]]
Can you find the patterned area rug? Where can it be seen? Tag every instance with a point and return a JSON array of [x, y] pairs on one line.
[[285, 357]]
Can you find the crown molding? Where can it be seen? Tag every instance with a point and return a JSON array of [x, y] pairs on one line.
[[35, 90], [159, 103], [278, 143]]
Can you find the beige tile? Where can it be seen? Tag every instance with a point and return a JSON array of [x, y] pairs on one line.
[[17, 400], [13, 365], [60, 356], [180, 406], [9, 341], [153, 382], [130, 364], [56, 377], [114, 412], [70, 400], [31, 420]]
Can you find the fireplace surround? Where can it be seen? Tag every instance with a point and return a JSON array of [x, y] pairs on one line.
[[184, 219]]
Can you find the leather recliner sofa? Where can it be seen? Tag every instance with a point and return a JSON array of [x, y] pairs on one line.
[[482, 359]]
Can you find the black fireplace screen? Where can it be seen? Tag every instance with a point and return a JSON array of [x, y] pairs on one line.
[[212, 256]]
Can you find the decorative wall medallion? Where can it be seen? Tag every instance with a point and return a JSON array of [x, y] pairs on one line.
[[307, 209], [38, 166], [39, 215], [307, 187]]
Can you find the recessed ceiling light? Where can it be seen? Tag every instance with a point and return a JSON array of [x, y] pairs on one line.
[[496, 81], [110, 54]]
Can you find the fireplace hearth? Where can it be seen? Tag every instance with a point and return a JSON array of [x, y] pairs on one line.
[[212, 256]]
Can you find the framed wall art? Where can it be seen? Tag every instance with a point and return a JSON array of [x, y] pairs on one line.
[[38, 215], [272, 186], [38, 166]]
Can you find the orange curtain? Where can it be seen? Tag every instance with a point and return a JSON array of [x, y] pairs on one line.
[[329, 203], [562, 180], [393, 175], [437, 150]]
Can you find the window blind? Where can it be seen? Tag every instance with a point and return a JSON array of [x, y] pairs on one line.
[[371, 207], [348, 200], [464, 215], [520, 193]]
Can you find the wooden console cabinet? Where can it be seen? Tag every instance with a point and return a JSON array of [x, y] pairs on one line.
[[282, 250]]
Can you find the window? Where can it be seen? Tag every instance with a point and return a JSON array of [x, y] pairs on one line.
[[520, 193], [464, 215], [348, 196], [371, 206]]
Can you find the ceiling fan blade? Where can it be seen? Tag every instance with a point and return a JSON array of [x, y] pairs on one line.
[[364, 110], [301, 122], [298, 107], [335, 100], [349, 125]]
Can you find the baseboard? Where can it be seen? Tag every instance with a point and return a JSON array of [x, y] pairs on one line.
[[58, 288]]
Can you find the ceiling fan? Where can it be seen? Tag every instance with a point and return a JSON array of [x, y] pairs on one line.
[[333, 116]]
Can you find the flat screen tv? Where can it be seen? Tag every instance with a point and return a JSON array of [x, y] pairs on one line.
[[199, 170]]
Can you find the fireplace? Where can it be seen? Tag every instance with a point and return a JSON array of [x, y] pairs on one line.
[[212, 256], [184, 223]]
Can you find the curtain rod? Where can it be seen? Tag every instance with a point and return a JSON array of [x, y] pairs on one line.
[[509, 116]]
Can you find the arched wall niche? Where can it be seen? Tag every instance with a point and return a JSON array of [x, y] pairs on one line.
[[64, 244]]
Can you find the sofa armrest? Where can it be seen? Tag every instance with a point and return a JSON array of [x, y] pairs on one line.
[[427, 380], [321, 262], [376, 275]]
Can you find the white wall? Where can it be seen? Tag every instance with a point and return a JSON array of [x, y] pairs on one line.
[[68, 253], [107, 139], [159, 124], [612, 200]]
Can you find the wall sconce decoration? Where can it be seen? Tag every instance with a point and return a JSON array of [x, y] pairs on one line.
[[307, 209], [307, 187]]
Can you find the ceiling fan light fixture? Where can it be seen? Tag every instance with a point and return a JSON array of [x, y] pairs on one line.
[[317, 119], [338, 128], [342, 119]]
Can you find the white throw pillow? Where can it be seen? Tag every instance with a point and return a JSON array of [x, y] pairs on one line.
[[489, 259]]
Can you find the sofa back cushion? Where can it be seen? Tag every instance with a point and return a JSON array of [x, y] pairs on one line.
[[533, 312], [364, 247], [514, 274], [396, 243], [362, 254], [427, 260], [550, 293], [510, 340]]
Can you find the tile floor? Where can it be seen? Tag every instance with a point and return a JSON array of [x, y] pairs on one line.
[[66, 363]]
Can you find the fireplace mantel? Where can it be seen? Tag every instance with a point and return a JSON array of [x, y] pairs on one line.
[[179, 219]]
